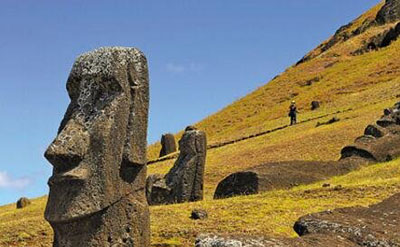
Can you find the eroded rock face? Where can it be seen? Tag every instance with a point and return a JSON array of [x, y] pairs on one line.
[[184, 182], [97, 190], [167, 144], [381, 140], [390, 12]]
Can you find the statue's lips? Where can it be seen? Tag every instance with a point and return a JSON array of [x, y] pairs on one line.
[[77, 174]]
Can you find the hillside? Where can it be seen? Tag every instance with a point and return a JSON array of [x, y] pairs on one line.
[[351, 82]]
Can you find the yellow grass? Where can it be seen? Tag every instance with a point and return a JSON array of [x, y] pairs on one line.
[[360, 87]]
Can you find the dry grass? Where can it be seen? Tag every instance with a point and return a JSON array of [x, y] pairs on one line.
[[340, 81]]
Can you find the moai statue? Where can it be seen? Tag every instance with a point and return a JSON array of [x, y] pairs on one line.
[[168, 144], [97, 190], [184, 182]]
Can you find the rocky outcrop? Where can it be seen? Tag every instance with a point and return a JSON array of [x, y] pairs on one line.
[[184, 182], [390, 12], [381, 140], [97, 190], [375, 226], [167, 144], [23, 202], [381, 40], [199, 214], [282, 175]]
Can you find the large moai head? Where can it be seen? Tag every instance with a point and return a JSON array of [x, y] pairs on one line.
[[99, 154]]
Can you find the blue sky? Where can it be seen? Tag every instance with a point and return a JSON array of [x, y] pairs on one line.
[[202, 56]]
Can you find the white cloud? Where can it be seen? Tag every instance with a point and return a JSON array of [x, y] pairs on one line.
[[175, 68], [180, 68], [6, 181]]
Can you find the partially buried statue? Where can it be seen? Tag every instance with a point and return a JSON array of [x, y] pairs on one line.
[[97, 190], [184, 182]]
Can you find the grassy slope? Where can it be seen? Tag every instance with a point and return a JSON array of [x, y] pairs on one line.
[[366, 84]]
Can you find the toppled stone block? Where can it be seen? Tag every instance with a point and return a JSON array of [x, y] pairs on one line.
[[376, 225], [184, 182], [167, 144], [23, 202], [97, 190], [282, 175], [381, 141], [330, 121]]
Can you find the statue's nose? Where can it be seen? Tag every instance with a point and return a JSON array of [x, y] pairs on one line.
[[69, 147]]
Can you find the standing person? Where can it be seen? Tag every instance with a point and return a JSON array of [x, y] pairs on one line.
[[293, 113]]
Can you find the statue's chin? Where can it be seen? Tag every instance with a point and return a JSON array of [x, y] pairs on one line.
[[62, 208]]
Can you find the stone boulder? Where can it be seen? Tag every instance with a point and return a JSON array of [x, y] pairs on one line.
[[184, 182], [23, 202], [390, 12], [167, 144], [213, 240], [315, 105], [282, 175], [381, 140], [97, 189], [377, 225], [199, 214]]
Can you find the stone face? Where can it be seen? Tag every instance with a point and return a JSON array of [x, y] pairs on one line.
[[184, 182], [380, 141], [167, 144], [97, 190], [390, 12], [23, 202]]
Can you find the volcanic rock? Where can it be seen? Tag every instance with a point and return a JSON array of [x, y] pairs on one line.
[[282, 175], [390, 12], [167, 144], [376, 225], [315, 105], [23, 202], [97, 190], [199, 214], [184, 182]]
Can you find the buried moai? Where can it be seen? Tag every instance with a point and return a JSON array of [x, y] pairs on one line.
[[168, 144], [184, 182], [97, 190]]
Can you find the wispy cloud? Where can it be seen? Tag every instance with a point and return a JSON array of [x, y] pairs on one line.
[[6, 181], [181, 68]]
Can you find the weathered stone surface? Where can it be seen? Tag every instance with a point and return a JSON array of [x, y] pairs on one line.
[[377, 225], [390, 12], [23, 202], [381, 140], [184, 182], [282, 175], [380, 40], [97, 190], [315, 240], [315, 105], [199, 214], [167, 144]]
